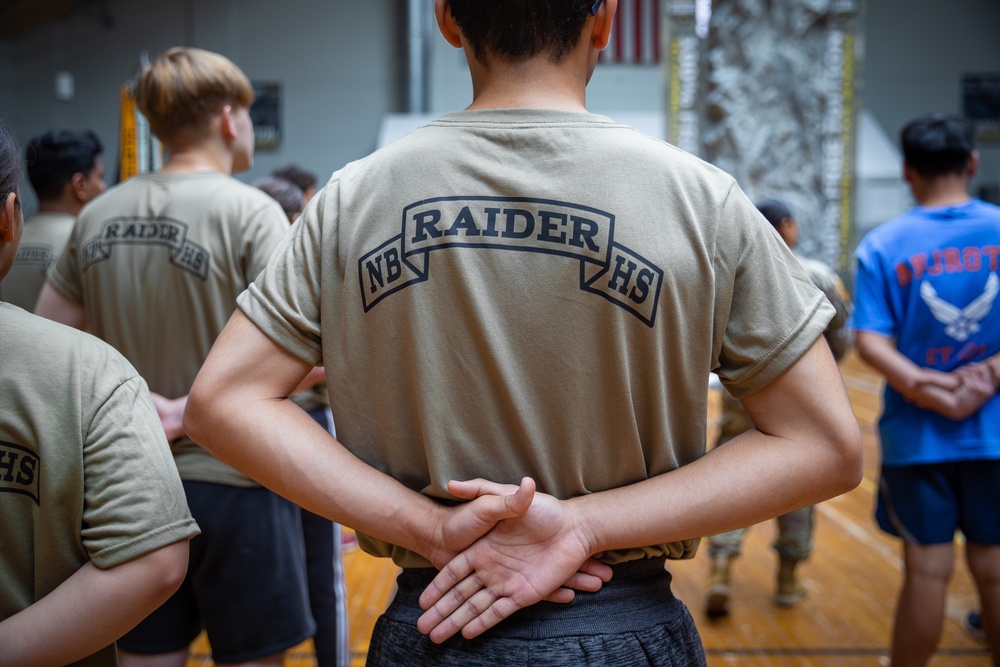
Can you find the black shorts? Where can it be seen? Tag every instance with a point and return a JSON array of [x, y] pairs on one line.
[[633, 620], [245, 585], [927, 503]]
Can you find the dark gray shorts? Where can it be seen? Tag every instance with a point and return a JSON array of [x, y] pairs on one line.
[[633, 620]]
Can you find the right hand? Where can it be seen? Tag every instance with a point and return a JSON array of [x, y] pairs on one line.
[[520, 562]]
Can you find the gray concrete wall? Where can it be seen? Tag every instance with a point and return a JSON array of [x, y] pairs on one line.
[[339, 76]]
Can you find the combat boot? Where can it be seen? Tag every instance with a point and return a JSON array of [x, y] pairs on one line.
[[790, 589], [717, 595]]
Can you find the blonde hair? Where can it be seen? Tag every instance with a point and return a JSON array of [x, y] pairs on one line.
[[180, 90]]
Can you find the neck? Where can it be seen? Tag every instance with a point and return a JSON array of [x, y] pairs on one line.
[[945, 190], [535, 83], [196, 158], [64, 205]]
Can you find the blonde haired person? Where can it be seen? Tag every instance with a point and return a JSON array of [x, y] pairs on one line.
[[96, 528], [154, 267]]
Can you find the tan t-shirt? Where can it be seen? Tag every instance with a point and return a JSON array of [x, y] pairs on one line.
[[42, 242], [158, 262], [85, 471], [509, 293]]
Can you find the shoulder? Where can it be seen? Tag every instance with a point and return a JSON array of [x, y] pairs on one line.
[[31, 342]]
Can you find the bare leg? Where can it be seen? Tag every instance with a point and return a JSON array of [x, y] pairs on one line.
[[175, 659], [920, 609], [984, 563]]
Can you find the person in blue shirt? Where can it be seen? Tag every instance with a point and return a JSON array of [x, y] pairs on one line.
[[926, 317]]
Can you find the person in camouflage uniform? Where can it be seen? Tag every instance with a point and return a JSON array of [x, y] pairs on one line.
[[794, 543]]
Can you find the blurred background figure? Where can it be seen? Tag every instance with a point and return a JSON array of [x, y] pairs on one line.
[[305, 180], [66, 172], [795, 529]]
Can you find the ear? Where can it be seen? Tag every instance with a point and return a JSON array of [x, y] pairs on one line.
[[78, 185], [226, 123], [447, 24], [7, 219], [973, 165], [603, 20], [908, 172]]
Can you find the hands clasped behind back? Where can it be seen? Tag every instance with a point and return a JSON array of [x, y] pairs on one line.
[[538, 552]]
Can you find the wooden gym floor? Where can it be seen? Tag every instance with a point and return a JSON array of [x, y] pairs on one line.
[[846, 618]]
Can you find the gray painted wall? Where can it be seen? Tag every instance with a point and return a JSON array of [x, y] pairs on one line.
[[338, 79], [916, 54], [341, 76]]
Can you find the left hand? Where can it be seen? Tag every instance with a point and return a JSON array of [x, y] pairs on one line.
[[171, 413], [519, 562]]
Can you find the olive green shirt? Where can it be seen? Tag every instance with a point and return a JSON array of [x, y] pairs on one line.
[[42, 242], [85, 471], [158, 262], [527, 292]]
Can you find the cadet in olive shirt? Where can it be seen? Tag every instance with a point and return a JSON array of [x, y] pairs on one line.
[[526, 290], [95, 523], [154, 267], [66, 172]]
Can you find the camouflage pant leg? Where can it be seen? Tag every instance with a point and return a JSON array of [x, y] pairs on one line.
[[726, 544], [795, 534]]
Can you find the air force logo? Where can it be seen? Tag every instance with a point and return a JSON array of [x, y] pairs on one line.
[[607, 269], [961, 323]]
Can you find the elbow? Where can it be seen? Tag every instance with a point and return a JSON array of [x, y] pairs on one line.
[[195, 420], [851, 459], [168, 567]]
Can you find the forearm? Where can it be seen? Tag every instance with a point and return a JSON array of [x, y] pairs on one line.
[[239, 411], [881, 354], [806, 448], [52, 305], [315, 376], [277, 444], [751, 478], [92, 609]]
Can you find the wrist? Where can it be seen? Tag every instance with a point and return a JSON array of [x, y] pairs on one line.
[[584, 525]]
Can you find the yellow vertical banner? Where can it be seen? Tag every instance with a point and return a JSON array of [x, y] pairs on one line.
[[129, 144]]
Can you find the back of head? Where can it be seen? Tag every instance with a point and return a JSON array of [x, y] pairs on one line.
[[305, 180], [513, 30], [774, 210], [287, 194], [54, 157], [938, 144], [180, 90], [10, 164]]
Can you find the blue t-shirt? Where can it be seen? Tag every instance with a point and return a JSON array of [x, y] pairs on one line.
[[929, 279]]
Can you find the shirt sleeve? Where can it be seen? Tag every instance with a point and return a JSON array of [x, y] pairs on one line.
[[773, 312], [872, 309], [284, 301], [134, 502], [65, 274], [262, 235]]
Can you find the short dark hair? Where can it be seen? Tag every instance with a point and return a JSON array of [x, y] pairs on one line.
[[54, 157], [774, 210], [516, 29], [938, 144], [297, 175], [287, 194], [10, 164]]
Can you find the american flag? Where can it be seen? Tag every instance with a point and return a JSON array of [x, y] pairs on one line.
[[635, 34]]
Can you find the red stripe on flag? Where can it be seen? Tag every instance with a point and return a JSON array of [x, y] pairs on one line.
[[638, 41], [657, 18], [617, 38]]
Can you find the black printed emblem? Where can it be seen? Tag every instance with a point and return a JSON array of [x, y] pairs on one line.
[[171, 234], [20, 471], [607, 269]]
